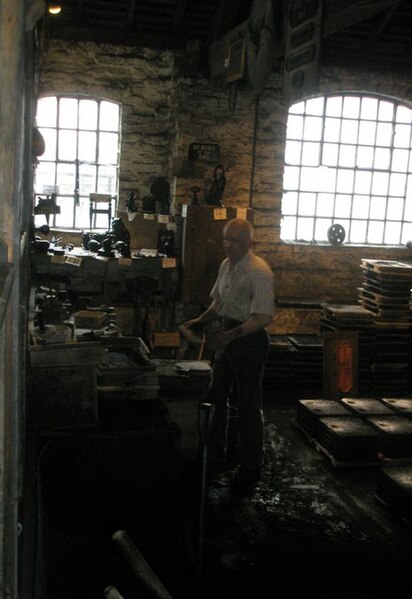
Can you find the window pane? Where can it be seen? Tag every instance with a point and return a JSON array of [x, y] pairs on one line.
[[65, 218], [87, 114], [378, 207], [347, 156], [108, 148], [334, 106], [68, 113], [66, 178], [343, 206], [291, 177], [309, 179], [392, 233], [107, 180], [305, 228], [358, 231], [50, 142], [87, 146], [109, 116], [369, 109], [406, 233], [292, 152], [385, 111], [380, 183], [367, 132], [395, 209], [82, 220], [404, 115], [87, 177], [349, 133], [289, 203], [344, 183], [382, 158], [47, 112], [351, 107], [313, 128], [375, 232], [331, 130], [310, 154], [45, 176], [402, 136], [321, 228], [325, 204], [400, 160], [295, 127], [384, 134], [360, 208], [330, 154], [363, 181], [298, 108], [397, 185], [314, 106], [67, 145], [288, 227], [365, 157], [307, 204]]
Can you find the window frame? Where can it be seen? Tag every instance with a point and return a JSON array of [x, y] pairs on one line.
[[95, 175], [295, 171]]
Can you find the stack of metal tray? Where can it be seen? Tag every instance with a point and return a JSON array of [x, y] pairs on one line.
[[310, 411], [308, 364], [279, 375], [394, 489], [401, 406], [348, 439], [364, 407], [395, 435]]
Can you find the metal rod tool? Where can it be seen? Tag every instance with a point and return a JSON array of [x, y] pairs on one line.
[[139, 566], [206, 411]]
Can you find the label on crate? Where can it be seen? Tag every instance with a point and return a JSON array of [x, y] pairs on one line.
[[219, 214], [169, 339], [168, 262], [163, 218], [73, 260], [125, 261], [241, 213]]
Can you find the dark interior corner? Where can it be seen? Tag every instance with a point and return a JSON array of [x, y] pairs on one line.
[[134, 135]]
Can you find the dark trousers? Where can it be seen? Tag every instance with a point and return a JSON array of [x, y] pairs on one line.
[[242, 364]]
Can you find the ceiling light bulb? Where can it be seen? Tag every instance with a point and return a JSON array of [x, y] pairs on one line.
[[54, 9]]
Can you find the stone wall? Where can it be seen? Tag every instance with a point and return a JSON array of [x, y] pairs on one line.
[[163, 112]]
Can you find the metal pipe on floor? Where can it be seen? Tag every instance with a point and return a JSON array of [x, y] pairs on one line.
[[111, 592], [139, 566], [206, 411]]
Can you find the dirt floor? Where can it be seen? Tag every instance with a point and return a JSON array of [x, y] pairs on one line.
[[309, 530]]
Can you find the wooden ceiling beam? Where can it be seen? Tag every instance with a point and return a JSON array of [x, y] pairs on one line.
[[179, 14], [224, 18], [384, 21], [131, 9], [79, 9]]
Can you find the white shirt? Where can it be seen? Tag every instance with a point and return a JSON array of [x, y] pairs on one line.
[[245, 289]]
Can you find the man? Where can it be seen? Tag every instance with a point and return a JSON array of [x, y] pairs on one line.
[[242, 299]]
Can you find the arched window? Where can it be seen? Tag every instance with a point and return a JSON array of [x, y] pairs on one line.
[[82, 137], [348, 161]]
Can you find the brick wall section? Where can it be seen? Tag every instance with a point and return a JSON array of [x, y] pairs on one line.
[[163, 112]]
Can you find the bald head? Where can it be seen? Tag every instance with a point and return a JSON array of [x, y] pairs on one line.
[[237, 238]]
